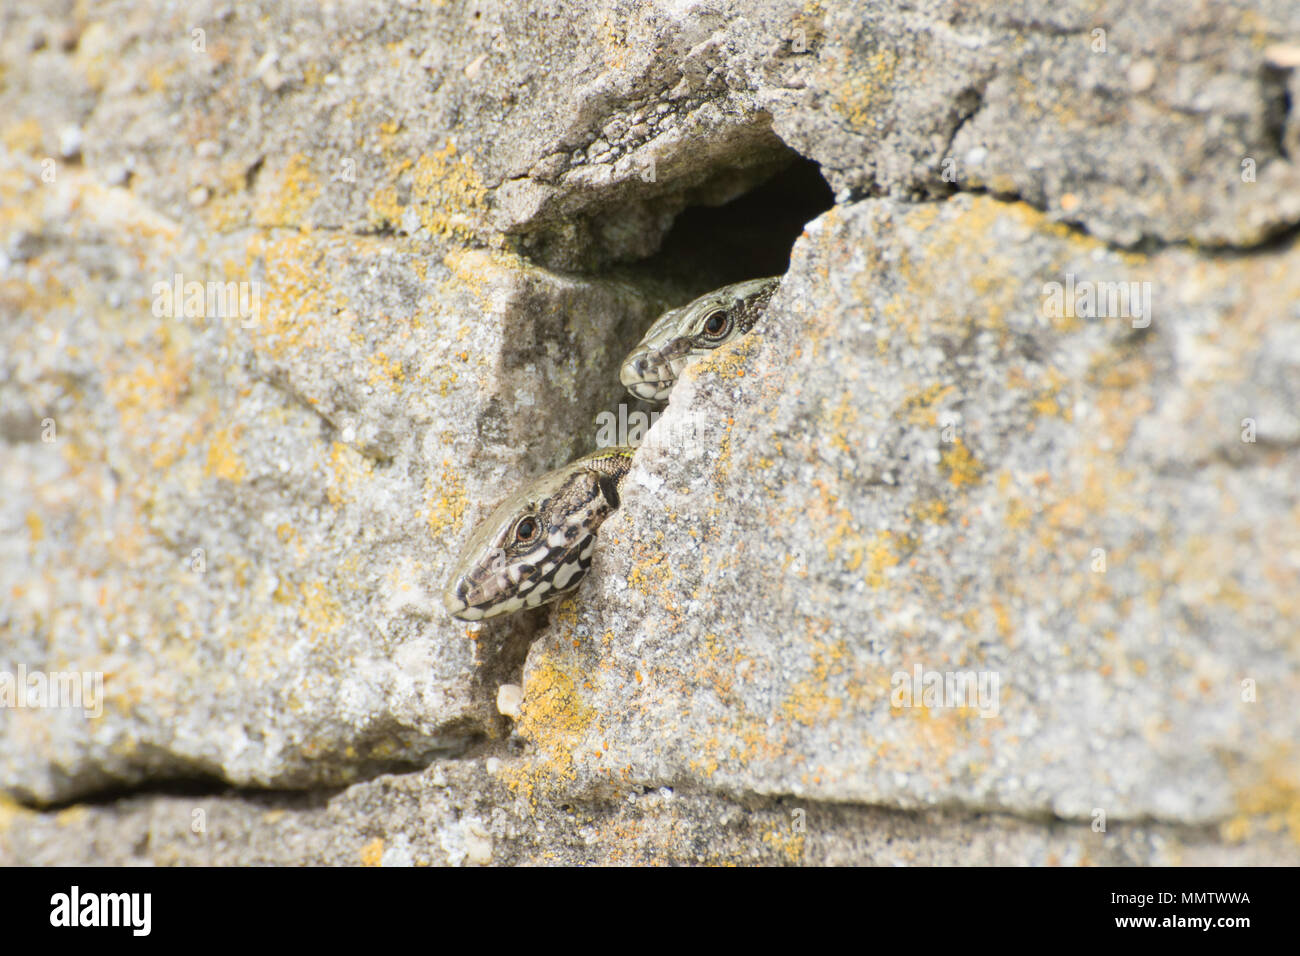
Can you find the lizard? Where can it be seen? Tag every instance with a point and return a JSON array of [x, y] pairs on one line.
[[537, 545], [679, 336]]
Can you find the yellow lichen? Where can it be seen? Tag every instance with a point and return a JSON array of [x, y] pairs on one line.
[[446, 193], [291, 201], [447, 500], [556, 717], [223, 461], [961, 466], [372, 854], [930, 510], [319, 610]]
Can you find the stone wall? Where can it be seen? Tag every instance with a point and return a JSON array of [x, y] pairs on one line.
[[1025, 408]]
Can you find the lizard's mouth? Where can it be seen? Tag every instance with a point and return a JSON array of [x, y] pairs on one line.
[[456, 605], [487, 592], [647, 380], [651, 391], [472, 598]]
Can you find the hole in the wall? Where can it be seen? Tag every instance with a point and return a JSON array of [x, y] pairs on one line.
[[706, 247], [748, 237]]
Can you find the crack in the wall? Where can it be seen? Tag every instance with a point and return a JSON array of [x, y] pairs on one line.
[[815, 810], [207, 782], [968, 104], [1277, 97], [278, 380], [749, 797], [1148, 244]]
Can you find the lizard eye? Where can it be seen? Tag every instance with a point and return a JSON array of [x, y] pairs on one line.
[[717, 324], [526, 529]]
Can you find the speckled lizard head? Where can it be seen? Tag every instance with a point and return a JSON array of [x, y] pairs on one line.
[[679, 336], [537, 545]]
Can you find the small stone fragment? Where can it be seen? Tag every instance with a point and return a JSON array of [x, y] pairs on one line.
[[510, 697]]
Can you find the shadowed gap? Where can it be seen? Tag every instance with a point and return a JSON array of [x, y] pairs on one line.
[[749, 237]]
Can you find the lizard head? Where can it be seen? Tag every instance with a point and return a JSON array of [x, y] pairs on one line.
[[676, 337], [537, 545]]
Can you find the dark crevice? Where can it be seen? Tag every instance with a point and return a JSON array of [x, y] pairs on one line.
[[1278, 105], [746, 238], [250, 174], [1275, 239], [599, 801], [278, 379], [383, 230], [502, 646], [199, 781], [966, 105], [318, 797], [191, 786], [953, 808]]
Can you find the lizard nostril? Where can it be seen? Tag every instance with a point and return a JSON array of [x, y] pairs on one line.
[[633, 371]]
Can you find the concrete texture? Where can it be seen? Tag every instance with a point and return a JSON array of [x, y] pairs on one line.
[[450, 224]]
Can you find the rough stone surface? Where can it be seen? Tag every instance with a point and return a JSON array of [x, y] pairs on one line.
[[464, 814], [929, 463], [453, 221]]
